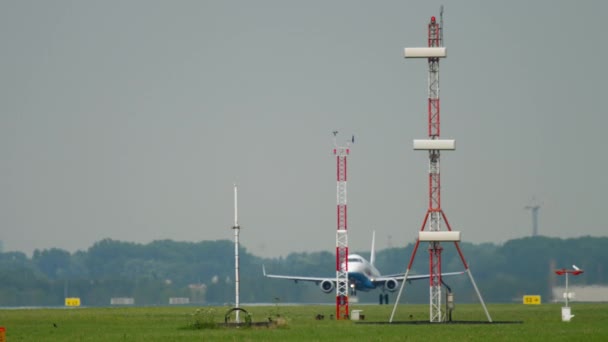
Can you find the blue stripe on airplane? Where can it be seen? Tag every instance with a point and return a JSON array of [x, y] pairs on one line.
[[361, 281]]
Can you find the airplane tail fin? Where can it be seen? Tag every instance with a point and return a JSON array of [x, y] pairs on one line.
[[372, 257]]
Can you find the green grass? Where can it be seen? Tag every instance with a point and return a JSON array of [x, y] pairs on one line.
[[540, 323]]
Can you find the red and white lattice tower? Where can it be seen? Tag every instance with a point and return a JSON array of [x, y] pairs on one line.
[[431, 230], [341, 154]]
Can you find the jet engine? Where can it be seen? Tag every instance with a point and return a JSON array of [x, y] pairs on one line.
[[327, 286], [391, 284]]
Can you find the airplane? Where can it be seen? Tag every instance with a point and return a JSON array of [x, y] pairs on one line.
[[362, 276]]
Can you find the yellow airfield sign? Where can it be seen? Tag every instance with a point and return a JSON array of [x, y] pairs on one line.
[[72, 301], [532, 299]]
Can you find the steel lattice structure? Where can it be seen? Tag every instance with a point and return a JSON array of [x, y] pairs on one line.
[[434, 211], [341, 154], [435, 216]]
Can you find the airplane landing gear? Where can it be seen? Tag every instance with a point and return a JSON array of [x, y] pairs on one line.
[[383, 298]]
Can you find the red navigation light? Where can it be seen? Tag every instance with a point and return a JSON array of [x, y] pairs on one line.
[[433, 19]]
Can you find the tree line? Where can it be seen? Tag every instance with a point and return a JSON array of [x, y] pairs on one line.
[[204, 272]]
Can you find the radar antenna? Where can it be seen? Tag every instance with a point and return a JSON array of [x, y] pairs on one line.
[[441, 26]]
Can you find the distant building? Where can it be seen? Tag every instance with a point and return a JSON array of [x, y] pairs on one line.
[[122, 301], [592, 293], [179, 300], [197, 293]]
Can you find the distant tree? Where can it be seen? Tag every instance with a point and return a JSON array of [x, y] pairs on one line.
[[155, 271], [52, 262]]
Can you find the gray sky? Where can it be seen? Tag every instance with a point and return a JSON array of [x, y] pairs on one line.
[[130, 120]]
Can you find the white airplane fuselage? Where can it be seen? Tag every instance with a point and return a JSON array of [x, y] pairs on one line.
[[361, 273]]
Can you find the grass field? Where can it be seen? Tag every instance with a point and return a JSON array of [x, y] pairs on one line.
[[298, 323]]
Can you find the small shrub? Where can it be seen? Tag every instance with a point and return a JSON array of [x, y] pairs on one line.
[[203, 319]]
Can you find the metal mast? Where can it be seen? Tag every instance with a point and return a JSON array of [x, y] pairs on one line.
[[341, 154], [434, 235], [236, 229], [434, 211]]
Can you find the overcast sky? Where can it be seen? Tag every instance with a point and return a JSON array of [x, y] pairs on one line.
[[131, 120]]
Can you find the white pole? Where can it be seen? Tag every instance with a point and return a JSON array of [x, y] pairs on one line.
[[236, 253], [479, 295], [236, 207], [399, 295], [567, 293]]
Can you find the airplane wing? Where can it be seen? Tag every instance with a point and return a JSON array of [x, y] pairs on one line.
[[315, 280], [401, 276]]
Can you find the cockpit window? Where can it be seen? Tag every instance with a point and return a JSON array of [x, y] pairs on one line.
[[354, 260]]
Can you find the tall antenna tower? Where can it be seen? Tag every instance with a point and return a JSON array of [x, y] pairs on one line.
[[341, 153], [433, 232]]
